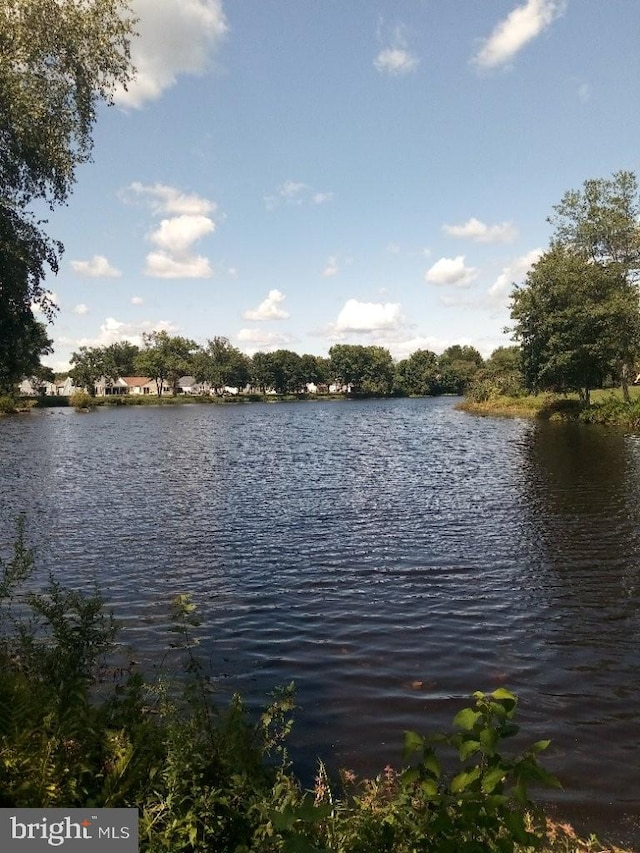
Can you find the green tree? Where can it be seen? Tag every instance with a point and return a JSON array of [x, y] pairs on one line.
[[362, 369], [287, 372], [120, 359], [261, 371], [88, 366], [58, 60], [166, 358], [601, 224], [418, 374], [500, 376], [457, 367], [221, 364], [574, 320]]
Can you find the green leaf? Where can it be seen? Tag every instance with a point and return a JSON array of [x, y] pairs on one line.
[[466, 719], [413, 742], [463, 780], [468, 748], [539, 746], [429, 787], [492, 779]]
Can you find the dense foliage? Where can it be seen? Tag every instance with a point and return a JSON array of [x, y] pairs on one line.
[[577, 317], [78, 727], [58, 60]]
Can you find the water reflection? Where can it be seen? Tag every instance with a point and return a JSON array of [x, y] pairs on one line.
[[582, 502]]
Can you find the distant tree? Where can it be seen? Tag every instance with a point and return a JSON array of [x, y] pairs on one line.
[[261, 371], [417, 374], [120, 359], [221, 364], [287, 373], [165, 358], [88, 366], [574, 320], [501, 375], [363, 369], [457, 367], [313, 369]]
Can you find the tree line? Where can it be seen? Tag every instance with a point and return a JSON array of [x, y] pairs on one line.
[[361, 370]]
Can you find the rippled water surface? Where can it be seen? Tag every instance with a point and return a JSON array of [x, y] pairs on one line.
[[389, 556]]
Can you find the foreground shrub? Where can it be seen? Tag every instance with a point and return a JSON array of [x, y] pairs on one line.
[[80, 728]]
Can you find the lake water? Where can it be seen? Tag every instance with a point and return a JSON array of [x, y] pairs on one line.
[[390, 557]]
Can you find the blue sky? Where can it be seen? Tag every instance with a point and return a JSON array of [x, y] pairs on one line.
[[299, 173]]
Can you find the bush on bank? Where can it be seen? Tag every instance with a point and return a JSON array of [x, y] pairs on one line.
[[79, 727]]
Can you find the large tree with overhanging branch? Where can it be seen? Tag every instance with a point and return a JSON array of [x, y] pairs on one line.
[[59, 59]]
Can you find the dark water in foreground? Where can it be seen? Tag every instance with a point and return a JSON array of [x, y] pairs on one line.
[[389, 556]]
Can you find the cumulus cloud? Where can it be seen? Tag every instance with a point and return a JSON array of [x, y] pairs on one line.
[[97, 267], [178, 234], [269, 308], [366, 317], [514, 272], [81, 309], [163, 198], [395, 61], [163, 265], [255, 340], [296, 193], [451, 271], [189, 221], [114, 331], [137, 300], [395, 58], [478, 231], [521, 26], [175, 37]]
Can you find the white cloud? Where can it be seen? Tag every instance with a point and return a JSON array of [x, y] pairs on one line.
[[513, 273], [367, 317], [167, 199], [296, 193], [403, 348], [322, 198], [163, 265], [396, 61], [331, 267], [476, 230], [177, 235], [81, 309], [97, 267], [395, 58], [269, 308], [451, 271], [176, 37], [113, 331], [254, 340], [520, 26], [137, 300]]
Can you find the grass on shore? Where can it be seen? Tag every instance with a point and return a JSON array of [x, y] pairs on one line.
[[607, 408]]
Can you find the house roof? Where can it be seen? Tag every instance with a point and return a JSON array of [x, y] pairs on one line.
[[136, 381]]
